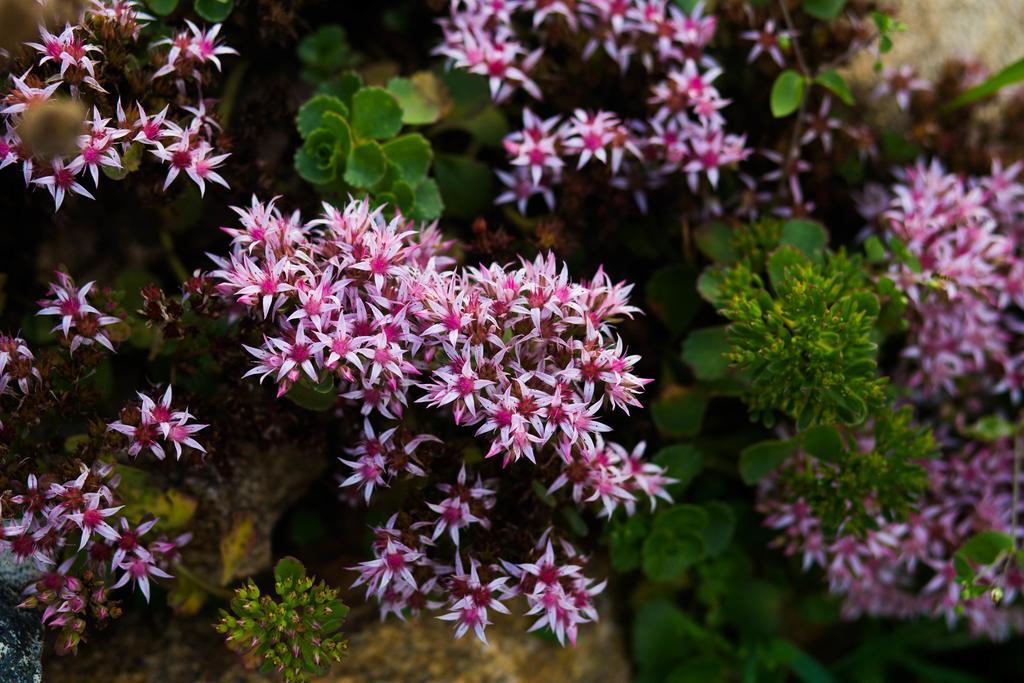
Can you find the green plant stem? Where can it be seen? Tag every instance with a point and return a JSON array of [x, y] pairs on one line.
[[172, 257]]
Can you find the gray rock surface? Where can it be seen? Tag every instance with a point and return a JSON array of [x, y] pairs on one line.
[[21, 637]]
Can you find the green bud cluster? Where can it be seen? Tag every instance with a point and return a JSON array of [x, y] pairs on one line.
[[296, 635]]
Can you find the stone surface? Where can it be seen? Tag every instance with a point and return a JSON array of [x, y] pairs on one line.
[[940, 30], [263, 484], [146, 649], [423, 651], [20, 642]]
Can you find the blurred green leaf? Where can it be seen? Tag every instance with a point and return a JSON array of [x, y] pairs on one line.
[[467, 185], [423, 97], [810, 237], [986, 547], [1010, 75], [703, 351], [759, 459], [317, 397], [672, 297], [162, 7], [836, 84], [214, 11], [680, 412], [824, 9], [682, 462], [787, 93]]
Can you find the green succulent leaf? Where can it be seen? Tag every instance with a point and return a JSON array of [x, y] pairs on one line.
[[311, 113], [428, 204], [411, 154], [366, 165], [376, 114], [214, 11]]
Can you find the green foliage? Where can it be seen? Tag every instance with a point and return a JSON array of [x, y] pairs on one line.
[[832, 81], [325, 52], [787, 93], [1012, 74], [805, 343], [802, 340], [353, 143], [680, 411], [824, 9], [211, 10], [839, 483], [887, 26], [670, 296], [298, 634]]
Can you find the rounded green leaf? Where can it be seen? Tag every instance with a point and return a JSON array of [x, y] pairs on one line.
[[757, 460], [289, 569], [787, 93], [680, 412], [986, 547], [703, 351], [411, 154], [366, 165], [310, 170], [312, 112], [466, 185], [824, 9], [344, 87], [421, 97], [326, 49], [720, 527], [681, 461], [405, 196], [661, 633], [162, 7], [311, 396], [672, 297], [837, 84], [667, 555], [809, 237], [375, 114], [626, 540], [682, 519], [428, 204], [334, 123], [714, 239], [214, 10], [824, 442]]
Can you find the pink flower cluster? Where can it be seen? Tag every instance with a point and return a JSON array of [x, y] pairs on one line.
[[374, 311], [155, 425], [965, 277], [684, 132], [17, 366], [67, 62], [78, 537], [81, 323], [404, 579], [905, 569]]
